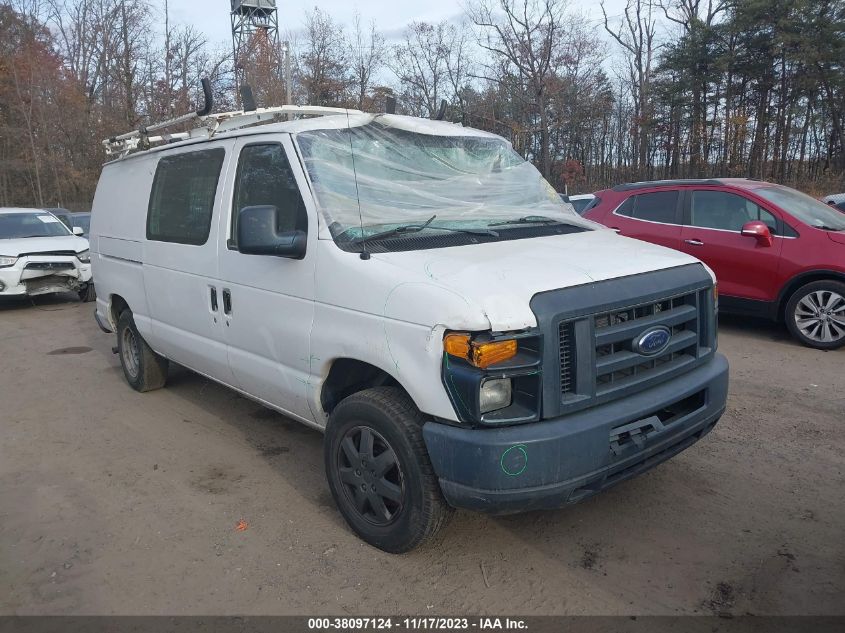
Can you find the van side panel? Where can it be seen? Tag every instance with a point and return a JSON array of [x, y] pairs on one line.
[[117, 229], [179, 279]]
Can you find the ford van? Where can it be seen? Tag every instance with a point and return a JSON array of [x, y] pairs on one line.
[[416, 291]]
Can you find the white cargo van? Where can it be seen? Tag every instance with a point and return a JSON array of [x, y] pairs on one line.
[[417, 291]]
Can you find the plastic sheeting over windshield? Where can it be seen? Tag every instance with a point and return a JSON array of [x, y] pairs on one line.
[[405, 173]]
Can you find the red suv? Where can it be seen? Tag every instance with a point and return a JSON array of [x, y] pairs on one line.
[[776, 252]]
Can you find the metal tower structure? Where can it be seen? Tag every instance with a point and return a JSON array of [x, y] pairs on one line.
[[250, 17]]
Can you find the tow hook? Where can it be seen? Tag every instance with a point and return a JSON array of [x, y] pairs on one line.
[[114, 350]]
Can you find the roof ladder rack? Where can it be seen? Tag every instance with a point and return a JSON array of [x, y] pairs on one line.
[[208, 124]]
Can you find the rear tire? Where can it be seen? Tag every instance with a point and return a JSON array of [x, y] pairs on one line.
[[143, 368], [87, 294], [815, 315], [379, 471]]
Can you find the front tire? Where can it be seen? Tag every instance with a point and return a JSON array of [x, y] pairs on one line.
[[379, 471], [143, 368], [815, 315]]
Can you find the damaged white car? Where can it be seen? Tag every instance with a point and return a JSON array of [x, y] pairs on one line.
[[40, 255]]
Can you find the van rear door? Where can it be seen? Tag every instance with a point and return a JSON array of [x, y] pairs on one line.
[[180, 259]]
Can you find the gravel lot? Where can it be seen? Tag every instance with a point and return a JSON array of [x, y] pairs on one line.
[[114, 502]]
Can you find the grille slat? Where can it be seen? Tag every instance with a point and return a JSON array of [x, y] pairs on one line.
[[49, 266], [625, 359], [629, 328], [567, 356], [667, 369]]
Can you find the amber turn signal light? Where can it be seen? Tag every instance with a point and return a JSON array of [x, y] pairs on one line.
[[481, 355], [486, 354], [457, 345]]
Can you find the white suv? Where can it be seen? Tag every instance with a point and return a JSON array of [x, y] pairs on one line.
[[40, 255], [417, 291]]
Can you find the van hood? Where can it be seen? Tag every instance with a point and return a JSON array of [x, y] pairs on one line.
[[501, 278], [35, 245]]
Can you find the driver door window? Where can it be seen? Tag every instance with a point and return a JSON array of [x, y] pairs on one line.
[[265, 177]]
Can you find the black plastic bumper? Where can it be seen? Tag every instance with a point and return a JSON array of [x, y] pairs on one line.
[[556, 462]]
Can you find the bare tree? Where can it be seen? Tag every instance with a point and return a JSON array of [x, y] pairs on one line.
[[460, 65], [324, 71], [367, 54], [636, 36], [420, 65], [686, 12], [523, 37]]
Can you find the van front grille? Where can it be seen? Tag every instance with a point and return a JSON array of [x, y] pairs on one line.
[[616, 368], [49, 266], [596, 336], [616, 360]]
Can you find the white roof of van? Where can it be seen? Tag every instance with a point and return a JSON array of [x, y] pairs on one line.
[[330, 122], [334, 122]]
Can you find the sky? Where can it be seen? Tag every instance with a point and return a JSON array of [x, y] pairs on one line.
[[212, 16]]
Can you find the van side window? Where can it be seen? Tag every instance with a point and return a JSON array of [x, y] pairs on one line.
[[658, 206], [182, 198], [264, 178]]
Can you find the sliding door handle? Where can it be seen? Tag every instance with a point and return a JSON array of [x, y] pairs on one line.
[[213, 299], [227, 302]]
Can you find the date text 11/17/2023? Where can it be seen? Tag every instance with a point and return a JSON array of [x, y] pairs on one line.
[[430, 623]]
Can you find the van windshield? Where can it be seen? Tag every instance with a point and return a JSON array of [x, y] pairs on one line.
[[401, 177]]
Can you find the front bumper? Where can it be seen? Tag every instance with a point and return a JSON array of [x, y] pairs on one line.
[[37, 275], [560, 461]]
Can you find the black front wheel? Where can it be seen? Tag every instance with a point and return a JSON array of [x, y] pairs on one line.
[[379, 471]]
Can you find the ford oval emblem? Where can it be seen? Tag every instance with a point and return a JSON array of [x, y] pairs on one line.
[[652, 341]]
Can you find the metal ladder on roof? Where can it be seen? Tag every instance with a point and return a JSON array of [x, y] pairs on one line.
[[209, 124]]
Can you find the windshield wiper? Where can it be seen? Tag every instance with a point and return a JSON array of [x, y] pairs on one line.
[[416, 228], [828, 228], [528, 219]]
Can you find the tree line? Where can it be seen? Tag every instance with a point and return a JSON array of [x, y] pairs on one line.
[[662, 89]]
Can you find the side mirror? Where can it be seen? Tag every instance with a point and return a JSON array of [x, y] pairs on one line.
[[78, 231], [257, 234], [759, 231]]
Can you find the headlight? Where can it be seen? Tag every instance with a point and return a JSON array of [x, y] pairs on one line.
[[6, 261], [495, 394], [84, 257], [494, 379]]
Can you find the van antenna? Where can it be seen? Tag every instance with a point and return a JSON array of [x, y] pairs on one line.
[[365, 254]]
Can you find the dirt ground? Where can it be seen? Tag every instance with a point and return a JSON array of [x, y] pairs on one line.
[[114, 502]]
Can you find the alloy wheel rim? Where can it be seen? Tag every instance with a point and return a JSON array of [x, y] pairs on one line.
[[130, 353], [820, 316], [370, 475]]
